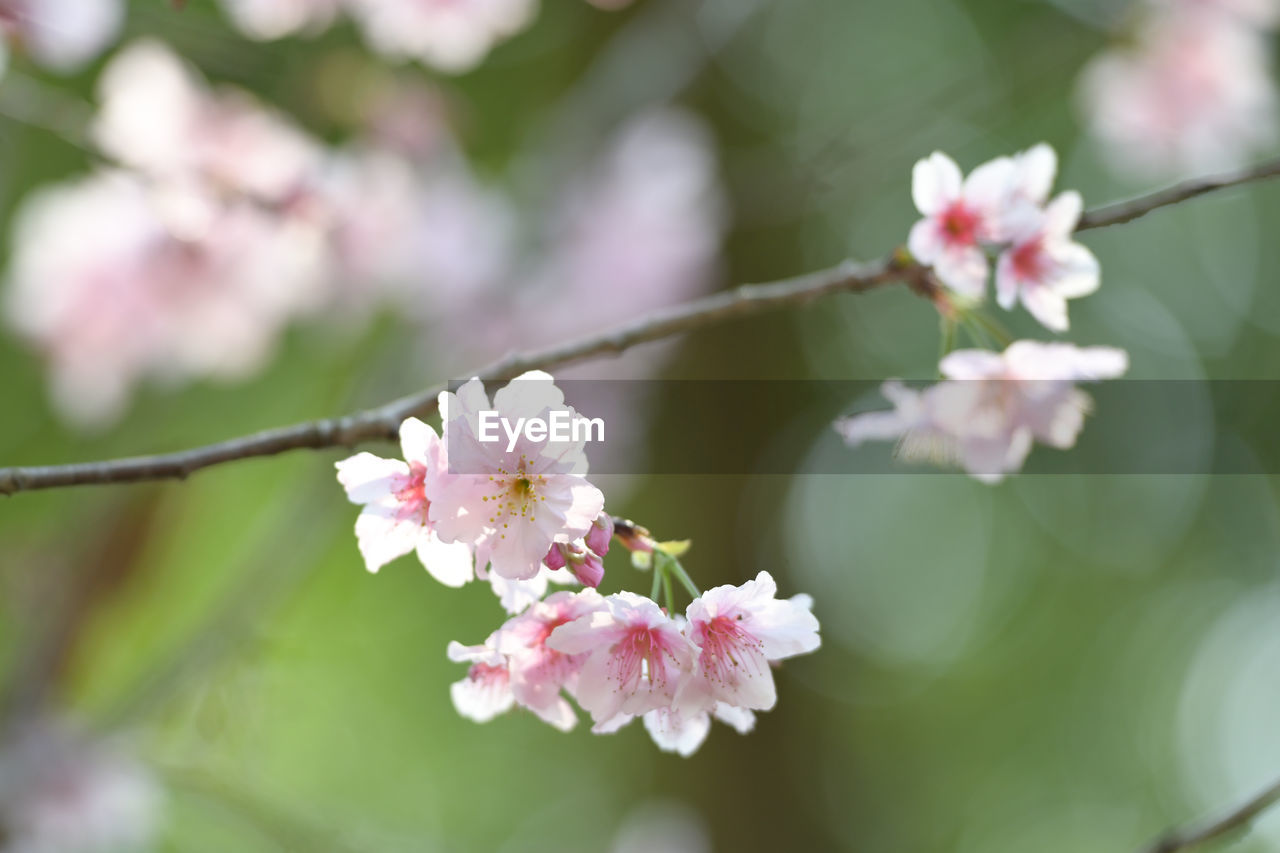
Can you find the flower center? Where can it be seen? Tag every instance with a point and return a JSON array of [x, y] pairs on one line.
[[412, 496], [513, 496], [1029, 261], [959, 225]]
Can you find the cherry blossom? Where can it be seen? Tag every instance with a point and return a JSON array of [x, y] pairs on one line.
[[637, 657], [1044, 267], [992, 407], [62, 35], [961, 214], [485, 692], [1194, 93], [157, 117], [539, 673], [739, 631], [115, 282], [395, 519], [273, 19], [59, 792], [682, 732], [450, 35], [511, 504]]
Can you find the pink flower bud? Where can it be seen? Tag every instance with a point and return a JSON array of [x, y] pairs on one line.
[[588, 568], [600, 534], [555, 557]]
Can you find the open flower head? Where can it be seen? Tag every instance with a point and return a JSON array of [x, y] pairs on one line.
[[511, 500], [396, 515]]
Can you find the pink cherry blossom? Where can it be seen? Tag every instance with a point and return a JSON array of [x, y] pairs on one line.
[[485, 692], [961, 214], [1194, 93], [61, 34], [60, 792], [540, 673], [739, 630], [682, 732], [450, 35], [395, 519], [992, 407], [511, 504], [157, 116], [1044, 267], [115, 281], [272, 19], [637, 657]]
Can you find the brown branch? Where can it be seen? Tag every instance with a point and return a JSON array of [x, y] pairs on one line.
[[1240, 818], [383, 422], [1127, 211]]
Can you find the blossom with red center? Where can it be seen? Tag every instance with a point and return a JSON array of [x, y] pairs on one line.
[[739, 630], [960, 215], [511, 500], [637, 657], [396, 515], [1044, 267], [539, 672], [486, 691]]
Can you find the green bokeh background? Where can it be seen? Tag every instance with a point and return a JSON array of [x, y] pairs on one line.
[[1055, 664]]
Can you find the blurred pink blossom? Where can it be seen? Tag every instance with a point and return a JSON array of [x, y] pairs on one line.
[[992, 406], [114, 288], [450, 35], [1044, 266], [61, 34], [60, 794], [1194, 93], [961, 215], [272, 19], [157, 117]]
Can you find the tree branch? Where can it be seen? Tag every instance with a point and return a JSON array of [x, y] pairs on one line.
[[1127, 211], [1240, 818], [384, 421]]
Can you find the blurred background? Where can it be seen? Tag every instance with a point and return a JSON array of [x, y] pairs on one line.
[[225, 216]]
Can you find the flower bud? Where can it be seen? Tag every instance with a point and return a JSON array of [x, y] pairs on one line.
[[588, 568], [555, 557], [600, 534]]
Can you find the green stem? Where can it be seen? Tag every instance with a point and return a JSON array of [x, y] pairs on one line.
[[671, 599], [993, 328], [683, 577], [656, 568]]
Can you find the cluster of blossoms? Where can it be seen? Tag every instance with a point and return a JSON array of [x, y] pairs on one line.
[[992, 407], [1192, 91], [450, 35], [222, 222], [524, 516]]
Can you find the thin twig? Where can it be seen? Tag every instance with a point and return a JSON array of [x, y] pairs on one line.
[[1240, 818], [1127, 211], [382, 422]]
